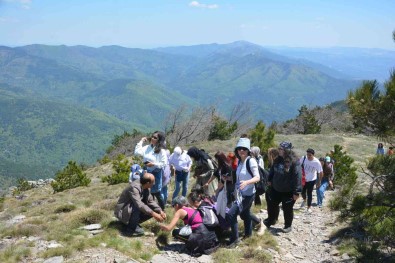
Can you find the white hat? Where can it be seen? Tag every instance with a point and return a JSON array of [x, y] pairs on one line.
[[177, 150], [243, 142]]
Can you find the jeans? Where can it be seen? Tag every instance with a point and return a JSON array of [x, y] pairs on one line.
[[234, 211], [321, 191], [308, 187], [157, 187], [183, 177], [164, 193]]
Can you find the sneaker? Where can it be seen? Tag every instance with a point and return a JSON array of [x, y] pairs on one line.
[[303, 204], [259, 225], [261, 230], [309, 211], [319, 206], [287, 229]]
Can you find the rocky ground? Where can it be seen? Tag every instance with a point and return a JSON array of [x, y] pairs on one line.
[[309, 241]]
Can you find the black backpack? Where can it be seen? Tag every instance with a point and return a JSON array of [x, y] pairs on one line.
[[261, 185]]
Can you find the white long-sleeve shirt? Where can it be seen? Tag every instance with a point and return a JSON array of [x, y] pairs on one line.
[[147, 152], [181, 162]]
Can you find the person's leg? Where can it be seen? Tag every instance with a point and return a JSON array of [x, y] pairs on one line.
[[159, 199], [231, 219], [157, 187], [185, 179], [288, 204], [310, 187], [257, 200], [134, 220], [321, 192], [177, 183], [273, 210], [245, 215], [304, 190], [165, 193]]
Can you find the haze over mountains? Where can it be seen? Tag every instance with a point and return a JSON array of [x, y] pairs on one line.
[[61, 103]]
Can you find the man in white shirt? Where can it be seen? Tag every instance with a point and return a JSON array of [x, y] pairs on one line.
[[181, 163], [311, 167]]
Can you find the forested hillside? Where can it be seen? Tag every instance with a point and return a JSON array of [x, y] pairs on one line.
[[63, 103]]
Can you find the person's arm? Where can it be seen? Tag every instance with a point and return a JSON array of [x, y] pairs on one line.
[[139, 150], [210, 171], [296, 183], [180, 214]]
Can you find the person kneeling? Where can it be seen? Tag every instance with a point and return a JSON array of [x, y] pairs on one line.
[[136, 205], [200, 240]]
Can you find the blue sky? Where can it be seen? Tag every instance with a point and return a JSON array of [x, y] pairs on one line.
[[154, 23]]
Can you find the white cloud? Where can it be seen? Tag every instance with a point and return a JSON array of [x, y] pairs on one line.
[[199, 5]]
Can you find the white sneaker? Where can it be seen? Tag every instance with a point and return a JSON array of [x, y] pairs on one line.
[[309, 211], [303, 204]]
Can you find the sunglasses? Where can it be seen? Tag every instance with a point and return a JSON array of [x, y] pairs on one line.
[[242, 149]]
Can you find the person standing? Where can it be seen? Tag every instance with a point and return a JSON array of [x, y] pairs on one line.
[[380, 149], [155, 160], [312, 167], [204, 170], [136, 205], [181, 163], [166, 178], [245, 192], [256, 154], [325, 180], [285, 186]]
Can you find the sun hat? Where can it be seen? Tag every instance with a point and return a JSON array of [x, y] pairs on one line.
[[243, 143], [327, 159]]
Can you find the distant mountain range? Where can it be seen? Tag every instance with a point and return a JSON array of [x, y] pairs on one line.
[[60, 103]]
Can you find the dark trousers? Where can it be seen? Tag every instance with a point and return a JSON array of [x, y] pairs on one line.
[[272, 211], [159, 198], [308, 187], [137, 217], [245, 215], [287, 203], [257, 200]]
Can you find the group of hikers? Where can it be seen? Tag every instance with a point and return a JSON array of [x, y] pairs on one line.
[[225, 187]]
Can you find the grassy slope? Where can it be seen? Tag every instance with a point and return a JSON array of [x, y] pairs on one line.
[[94, 204]]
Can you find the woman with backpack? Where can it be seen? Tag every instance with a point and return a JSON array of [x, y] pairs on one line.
[[245, 192], [204, 170], [155, 160], [201, 240]]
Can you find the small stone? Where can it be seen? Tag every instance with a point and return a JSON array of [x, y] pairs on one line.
[[91, 227]]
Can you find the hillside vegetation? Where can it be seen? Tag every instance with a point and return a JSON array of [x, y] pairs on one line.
[[57, 217]]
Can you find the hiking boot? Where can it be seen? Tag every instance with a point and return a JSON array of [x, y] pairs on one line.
[[303, 204], [266, 223], [287, 229]]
